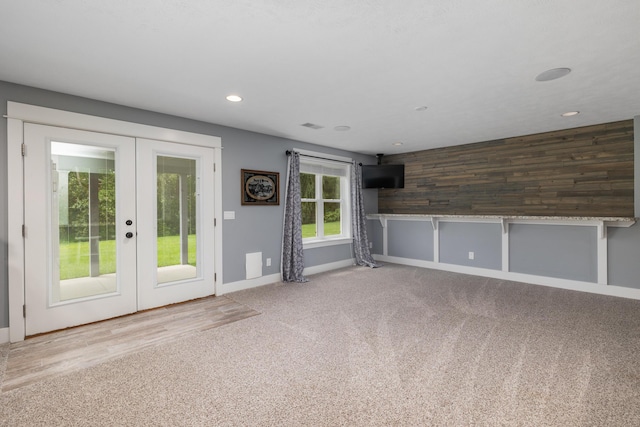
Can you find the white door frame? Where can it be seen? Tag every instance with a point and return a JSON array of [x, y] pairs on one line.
[[17, 115], [151, 292]]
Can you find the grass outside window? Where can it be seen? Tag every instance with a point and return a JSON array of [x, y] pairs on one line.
[[330, 228], [74, 256]]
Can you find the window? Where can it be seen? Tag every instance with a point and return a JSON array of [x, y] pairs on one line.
[[325, 200]]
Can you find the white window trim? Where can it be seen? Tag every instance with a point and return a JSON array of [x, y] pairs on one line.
[[344, 162], [327, 242], [329, 157]]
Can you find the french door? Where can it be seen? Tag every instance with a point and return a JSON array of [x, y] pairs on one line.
[[113, 225], [175, 222]]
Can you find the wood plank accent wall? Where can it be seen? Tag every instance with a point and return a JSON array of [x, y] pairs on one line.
[[585, 171]]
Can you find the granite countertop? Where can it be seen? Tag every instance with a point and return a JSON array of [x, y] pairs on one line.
[[527, 217]]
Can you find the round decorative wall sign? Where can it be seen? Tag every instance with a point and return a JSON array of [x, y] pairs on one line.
[[260, 187]]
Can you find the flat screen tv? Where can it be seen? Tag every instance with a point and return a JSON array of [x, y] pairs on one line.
[[382, 176]]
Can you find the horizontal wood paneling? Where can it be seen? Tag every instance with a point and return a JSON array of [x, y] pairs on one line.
[[585, 171]]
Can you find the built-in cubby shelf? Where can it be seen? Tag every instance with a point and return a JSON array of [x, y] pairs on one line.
[[601, 222], [403, 238]]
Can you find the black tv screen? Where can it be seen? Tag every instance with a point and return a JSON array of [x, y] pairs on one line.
[[382, 176]]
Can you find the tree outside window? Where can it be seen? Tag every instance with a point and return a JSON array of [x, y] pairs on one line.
[[323, 205]]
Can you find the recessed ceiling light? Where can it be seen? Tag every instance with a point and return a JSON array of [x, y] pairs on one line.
[[342, 128], [312, 126], [234, 98], [421, 108], [397, 143], [570, 113], [552, 74]]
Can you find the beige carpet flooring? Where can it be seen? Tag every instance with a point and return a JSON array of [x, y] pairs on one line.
[[61, 352], [395, 346]]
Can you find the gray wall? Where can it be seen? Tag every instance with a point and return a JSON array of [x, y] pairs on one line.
[[484, 240], [327, 255], [624, 256], [375, 232], [255, 229], [410, 239], [636, 165], [562, 251]]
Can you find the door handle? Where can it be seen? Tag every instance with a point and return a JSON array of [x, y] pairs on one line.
[[129, 235]]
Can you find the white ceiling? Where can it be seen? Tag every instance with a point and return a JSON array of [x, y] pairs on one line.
[[366, 64]]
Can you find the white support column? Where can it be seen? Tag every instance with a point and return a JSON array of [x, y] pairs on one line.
[[436, 239], [385, 236], [505, 245], [602, 254]]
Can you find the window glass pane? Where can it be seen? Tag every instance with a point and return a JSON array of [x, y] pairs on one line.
[[307, 186], [84, 207], [308, 219], [332, 219], [176, 216], [331, 187]]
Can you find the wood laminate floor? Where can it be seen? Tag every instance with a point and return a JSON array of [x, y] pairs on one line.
[[57, 353]]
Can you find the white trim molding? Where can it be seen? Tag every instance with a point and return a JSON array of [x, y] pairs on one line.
[[17, 115], [308, 271], [241, 285], [573, 285], [15, 220], [600, 224], [53, 117], [327, 242], [323, 155]]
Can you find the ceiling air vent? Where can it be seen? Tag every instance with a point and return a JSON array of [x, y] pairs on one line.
[[312, 126]]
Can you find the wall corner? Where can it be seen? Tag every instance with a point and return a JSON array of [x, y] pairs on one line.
[[636, 166]]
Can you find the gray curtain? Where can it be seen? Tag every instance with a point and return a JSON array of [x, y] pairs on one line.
[[292, 255], [359, 220]]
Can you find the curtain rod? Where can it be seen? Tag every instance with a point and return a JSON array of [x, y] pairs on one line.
[[288, 152]]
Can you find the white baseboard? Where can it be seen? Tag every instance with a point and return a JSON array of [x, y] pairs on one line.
[[4, 335], [573, 285], [275, 278], [250, 283], [328, 267]]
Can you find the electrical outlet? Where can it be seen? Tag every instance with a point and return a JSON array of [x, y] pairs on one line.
[[472, 255], [268, 262]]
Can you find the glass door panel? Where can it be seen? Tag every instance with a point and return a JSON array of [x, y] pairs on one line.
[[79, 213], [177, 223], [113, 225], [177, 220], [83, 212]]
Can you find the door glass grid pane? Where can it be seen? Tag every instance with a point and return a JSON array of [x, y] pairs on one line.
[[83, 213], [177, 220]]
